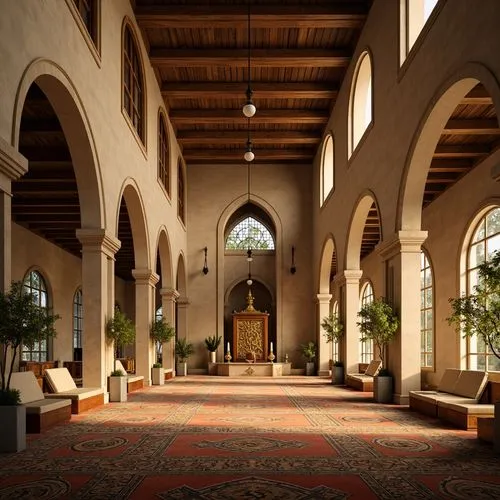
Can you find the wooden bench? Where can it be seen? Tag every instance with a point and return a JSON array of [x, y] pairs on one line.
[[63, 386], [134, 382], [364, 381], [485, 428], [41, 413]]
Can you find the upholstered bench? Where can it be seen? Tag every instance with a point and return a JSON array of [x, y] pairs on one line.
[[41, 413], [485, 428], [364, 381], [134, 382], [62, 385], [464, 415]]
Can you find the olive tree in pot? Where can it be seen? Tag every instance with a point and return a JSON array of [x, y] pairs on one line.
[[183, 349], [333, 332], [309, 352], [160, 332], [479, 314], [22, 323], [380, 324]]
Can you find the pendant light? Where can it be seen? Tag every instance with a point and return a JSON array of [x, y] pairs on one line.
[[249, 108]]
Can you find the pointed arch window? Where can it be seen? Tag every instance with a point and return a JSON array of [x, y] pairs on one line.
[[181, 208], [77, 319], [134, 95], [484, 243], [163, 153], [335, 344], [327, 177], [366, 348], [35, 285], [426, 312], [361, 102], [250, 233]]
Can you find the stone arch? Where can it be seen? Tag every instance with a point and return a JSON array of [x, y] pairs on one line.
[[65, 99], [181, 277], [329, 248], [138, 223], [255, 277], [164, 250], [356, 228], [426, 137]]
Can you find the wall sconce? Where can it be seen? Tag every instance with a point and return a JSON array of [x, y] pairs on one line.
[[293, 269], [205, 265]]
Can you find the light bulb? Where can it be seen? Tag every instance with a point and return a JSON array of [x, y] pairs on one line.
[[249, 156], [249, 282], [249, 109]]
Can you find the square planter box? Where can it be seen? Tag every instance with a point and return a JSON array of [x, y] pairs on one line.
[[158, 376], [118, 389], [13, 420]]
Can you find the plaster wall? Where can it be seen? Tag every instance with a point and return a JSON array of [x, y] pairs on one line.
[[287, 190]]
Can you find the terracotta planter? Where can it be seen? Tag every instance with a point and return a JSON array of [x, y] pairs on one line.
[[13, 420]]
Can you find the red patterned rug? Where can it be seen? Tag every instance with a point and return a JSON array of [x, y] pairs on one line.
[[254, 438]]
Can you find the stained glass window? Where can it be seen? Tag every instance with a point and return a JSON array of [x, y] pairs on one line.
[[250, 233]]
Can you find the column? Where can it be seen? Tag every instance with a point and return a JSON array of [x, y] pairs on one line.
[[145, 282], [324, 349], [182, 305], [168, 299], [98, 285], [13, 165], [349, 307], [401, 256]]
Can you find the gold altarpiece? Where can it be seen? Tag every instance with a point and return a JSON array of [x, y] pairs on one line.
[[250, 332]]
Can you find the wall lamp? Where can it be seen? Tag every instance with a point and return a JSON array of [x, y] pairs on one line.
[[293, 269], [205, 265]]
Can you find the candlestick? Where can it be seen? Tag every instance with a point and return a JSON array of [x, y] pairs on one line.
[[271, 347], [228, 348]]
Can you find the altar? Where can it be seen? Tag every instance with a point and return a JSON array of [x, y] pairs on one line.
[[238, 369]]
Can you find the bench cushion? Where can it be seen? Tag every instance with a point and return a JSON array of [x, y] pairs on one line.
[[77, 394], [435, 397], [468, 408], [46, 405], [134, 378], [471, 384], [59, 380], [449, 380], [373, 368], [27, 385]]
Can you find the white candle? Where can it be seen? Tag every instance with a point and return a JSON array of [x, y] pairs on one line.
[[228, 347], [271, 347]]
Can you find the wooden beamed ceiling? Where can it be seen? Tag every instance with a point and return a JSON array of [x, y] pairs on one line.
[[300, 50]]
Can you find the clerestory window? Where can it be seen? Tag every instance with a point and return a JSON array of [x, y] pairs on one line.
[[250, 233]]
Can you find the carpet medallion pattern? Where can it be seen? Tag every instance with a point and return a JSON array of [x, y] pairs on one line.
[[216, 438]]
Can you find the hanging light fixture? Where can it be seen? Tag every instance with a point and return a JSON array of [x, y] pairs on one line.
[[205, 265], [249, 108], [249, 154]]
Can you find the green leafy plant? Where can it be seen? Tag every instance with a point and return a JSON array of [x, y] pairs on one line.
[[339, 364], [309, 351], [10, 397], [120, 329], [479, 313], [157, 365], [22, 323], [213, 342], [118, 373], [161, 331], [183, 349], [333, 328], [379, 323]]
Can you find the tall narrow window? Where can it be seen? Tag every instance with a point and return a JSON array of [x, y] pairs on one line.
[[361, 102], [335, 344], [250, 233], [163, 156], [133, 83], [89, 11], [414, 16], [366, 348], [327, 169], [426, 313], [484, 243], [180, 192], [34, 284], [77, 320]]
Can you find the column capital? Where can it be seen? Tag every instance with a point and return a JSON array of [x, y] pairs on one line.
[[182, 302], [98, 240], [401, 242], [323, 298], [170, 294], [12, 163], [145, 277], [349, 277]]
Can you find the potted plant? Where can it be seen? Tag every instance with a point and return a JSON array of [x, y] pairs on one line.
[[333, 331], [22, 322], [479, 314], [120, 330], [212, 343], [309, 352], [160, 332], [118, 386], [183, 349], [379, 323]]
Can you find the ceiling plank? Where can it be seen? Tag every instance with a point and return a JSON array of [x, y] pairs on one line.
[[482, 126], [478, 95], [188, 137], [261, 90], [225, 154], [461, 150], [260, 58], [449, 165], [263, 116], [336, 15]]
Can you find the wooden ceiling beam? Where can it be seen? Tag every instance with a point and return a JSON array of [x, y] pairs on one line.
[[336, 15], [216, 137], [263, 116], [478, 96], [261, 90], [461, 150], [46, 153], [449, 165], [39, 125], [260, 58], [215, 155], [480, 126]]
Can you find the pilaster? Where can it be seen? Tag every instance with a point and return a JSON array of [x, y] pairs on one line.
[[169, 297], [324, 349]]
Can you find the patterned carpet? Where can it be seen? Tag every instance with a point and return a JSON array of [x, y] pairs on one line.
[[218, 438]]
